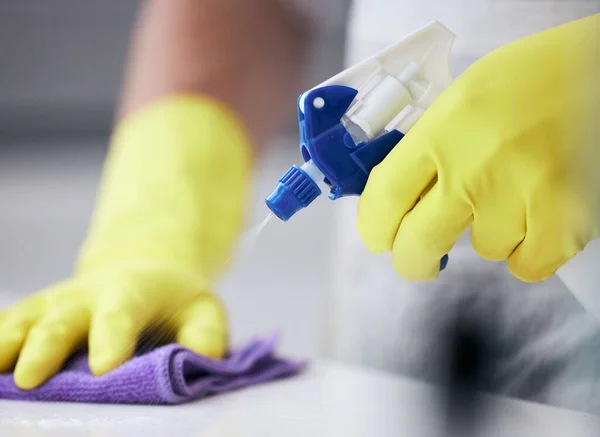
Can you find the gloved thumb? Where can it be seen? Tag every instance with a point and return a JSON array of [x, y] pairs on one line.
[[202, 327]]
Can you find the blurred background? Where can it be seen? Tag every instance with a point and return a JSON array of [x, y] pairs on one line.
[[61, 65]]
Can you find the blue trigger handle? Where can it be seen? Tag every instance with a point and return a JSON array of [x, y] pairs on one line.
[[444, 262], [333, 159]]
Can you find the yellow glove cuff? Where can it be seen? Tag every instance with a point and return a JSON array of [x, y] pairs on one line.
[[174, 188]]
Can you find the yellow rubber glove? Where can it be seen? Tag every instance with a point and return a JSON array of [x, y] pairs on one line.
[[512, 148], [170, 207]]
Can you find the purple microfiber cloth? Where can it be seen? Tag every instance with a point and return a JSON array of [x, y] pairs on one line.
[[167, 375]]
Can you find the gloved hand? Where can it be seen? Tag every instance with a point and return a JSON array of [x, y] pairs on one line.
[[512, 148], [170, 206]]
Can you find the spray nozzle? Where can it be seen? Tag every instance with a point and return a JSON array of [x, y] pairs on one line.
[[296, 189]]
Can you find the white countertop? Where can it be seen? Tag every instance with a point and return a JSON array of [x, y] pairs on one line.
[[329, 400]]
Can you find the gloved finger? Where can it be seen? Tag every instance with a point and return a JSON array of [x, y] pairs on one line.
[[49, 343], [14, 328], [393, 189], [117, 322], [556, 231], [428, 232], [12, 337], [202, 327], [496, 232], [536, 258]]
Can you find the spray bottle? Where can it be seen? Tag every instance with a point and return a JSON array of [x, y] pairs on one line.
[[349, 123]]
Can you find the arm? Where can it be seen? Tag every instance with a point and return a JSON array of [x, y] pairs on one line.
[[248, 54]]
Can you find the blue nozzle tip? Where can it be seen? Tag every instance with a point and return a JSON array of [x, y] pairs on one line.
[[296, 190], [274, 204]]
